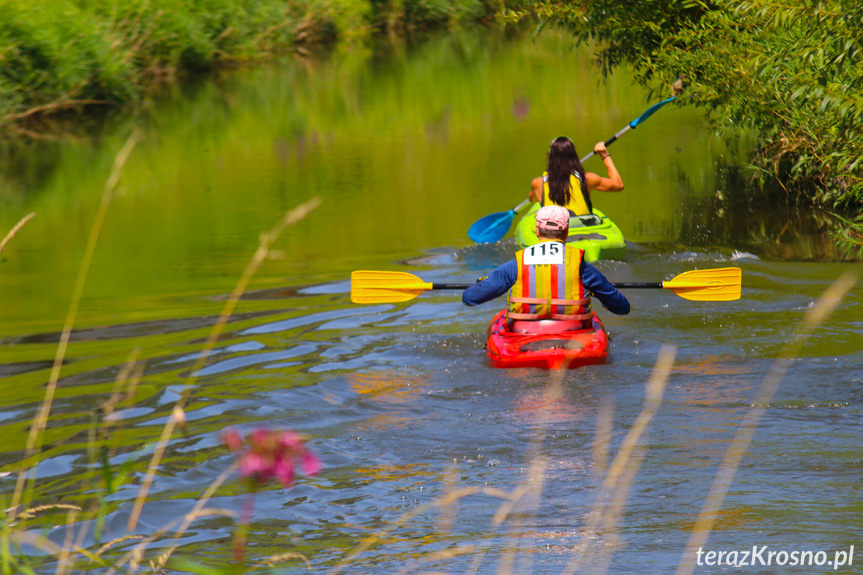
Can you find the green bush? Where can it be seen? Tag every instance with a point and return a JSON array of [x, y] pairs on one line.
[[51, 51], [55, 54], [787, 69]]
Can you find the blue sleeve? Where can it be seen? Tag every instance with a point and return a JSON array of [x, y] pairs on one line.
[[497, 284], [601, 288]]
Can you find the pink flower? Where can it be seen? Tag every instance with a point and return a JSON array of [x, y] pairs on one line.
[[271, 454], [283, 469], [253, 464], [290, 440], [311, 463], [232, 439]]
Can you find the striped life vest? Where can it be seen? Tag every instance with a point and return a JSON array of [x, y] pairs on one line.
[[550, 290], [579, 201]]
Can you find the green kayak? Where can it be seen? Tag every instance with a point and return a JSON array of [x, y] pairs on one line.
[[598, 236]]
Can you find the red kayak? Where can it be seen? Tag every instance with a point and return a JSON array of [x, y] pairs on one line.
[[547, 344]]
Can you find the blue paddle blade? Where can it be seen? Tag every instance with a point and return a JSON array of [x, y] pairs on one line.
[[649, 112], [491, 228]]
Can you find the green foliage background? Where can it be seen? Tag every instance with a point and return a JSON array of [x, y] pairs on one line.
[[786, 73], [61, 54], [789, 71]]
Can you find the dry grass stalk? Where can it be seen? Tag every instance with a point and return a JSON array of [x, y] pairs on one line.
[[281, 558], [266, 242], [444, 500], [15, 229], [264, 247], [43, 544], [33, 511], [129, 376], [442, 555], [136, 554], [607, 510], [602, 440], [117, 541], [167, 432], [130, 372], [815, 316], [448, 509], [40, 421], [502, 514], [99, 437], [198, 507], [36, 540], [620, 476], [653, 399], [525, 497], [67, 553], [62, 104], [529, 493], [534, 485]]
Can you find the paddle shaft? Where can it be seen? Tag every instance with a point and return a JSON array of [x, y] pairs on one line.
[[636, 285], [516, 209], [607, 142], [631, 126], [451, 286], [642, 285]]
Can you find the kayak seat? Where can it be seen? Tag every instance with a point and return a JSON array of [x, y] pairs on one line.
[[544, 326], [584, 221], [577, 237]]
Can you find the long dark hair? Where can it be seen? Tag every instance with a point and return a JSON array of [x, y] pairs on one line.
[[563, 161]]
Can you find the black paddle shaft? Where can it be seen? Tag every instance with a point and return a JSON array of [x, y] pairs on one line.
[[451, 286], [636, 285]]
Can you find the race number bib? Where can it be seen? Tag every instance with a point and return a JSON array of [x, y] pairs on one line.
[[544, 253]]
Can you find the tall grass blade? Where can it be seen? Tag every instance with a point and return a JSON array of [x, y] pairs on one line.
[[266, 242], [41, 418], [814, 317], [15, 229]]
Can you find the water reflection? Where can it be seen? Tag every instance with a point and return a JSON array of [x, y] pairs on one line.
[[386, 385]]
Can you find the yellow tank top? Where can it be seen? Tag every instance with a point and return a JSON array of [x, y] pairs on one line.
[[577, 203]]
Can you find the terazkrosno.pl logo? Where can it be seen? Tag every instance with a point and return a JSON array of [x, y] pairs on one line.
[[758, 556]]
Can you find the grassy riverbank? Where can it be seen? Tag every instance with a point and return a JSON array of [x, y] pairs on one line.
[[59, 55]]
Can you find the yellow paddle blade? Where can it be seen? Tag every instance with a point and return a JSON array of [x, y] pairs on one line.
[[385, 287], [721, 284]]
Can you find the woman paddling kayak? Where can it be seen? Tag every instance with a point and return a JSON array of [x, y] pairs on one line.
[[565, 183]]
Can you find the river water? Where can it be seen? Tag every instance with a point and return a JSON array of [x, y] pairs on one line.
[[406, 145]]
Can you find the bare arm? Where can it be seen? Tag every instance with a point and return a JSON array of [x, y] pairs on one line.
[[613, 183], [535, 194]]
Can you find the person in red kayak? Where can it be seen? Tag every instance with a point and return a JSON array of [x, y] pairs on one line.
[[565, 183], [549, 280]]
